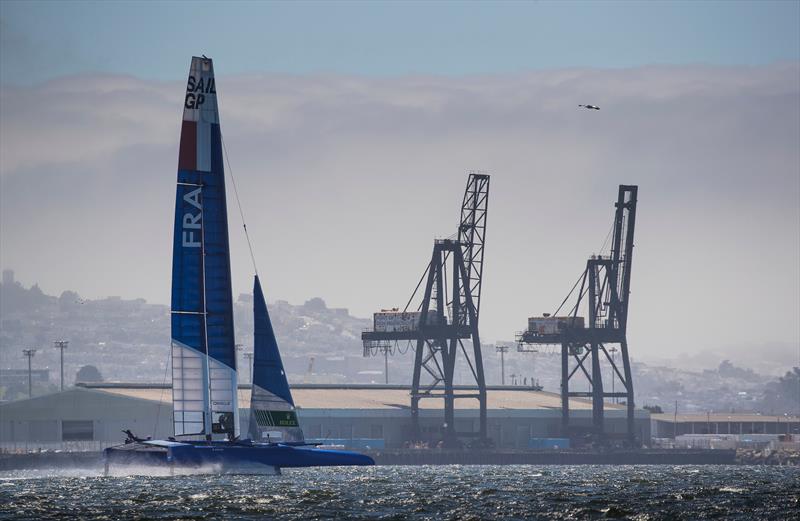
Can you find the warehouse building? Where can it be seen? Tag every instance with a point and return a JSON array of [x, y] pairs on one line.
[[92, 416], [744, 424]]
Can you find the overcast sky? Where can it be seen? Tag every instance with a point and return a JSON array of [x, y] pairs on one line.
[[351, 129]]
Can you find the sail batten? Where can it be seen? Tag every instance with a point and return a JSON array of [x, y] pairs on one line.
[[204, 353]]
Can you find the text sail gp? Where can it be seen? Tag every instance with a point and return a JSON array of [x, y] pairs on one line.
[[203, 347]]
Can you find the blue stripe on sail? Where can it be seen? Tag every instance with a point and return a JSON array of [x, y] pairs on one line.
[[219, 300], [268, 370], [187, 267]]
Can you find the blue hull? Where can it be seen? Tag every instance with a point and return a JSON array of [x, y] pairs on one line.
[[229, 455]]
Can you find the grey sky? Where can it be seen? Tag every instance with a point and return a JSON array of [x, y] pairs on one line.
[[346, 177], [46, 39]]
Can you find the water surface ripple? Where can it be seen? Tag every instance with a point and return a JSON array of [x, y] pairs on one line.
[[404, 492]]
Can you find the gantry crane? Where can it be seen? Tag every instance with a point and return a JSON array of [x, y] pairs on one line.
[[445, 318], [605, 286]]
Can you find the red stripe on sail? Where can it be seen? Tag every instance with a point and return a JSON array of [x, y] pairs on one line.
[[187, 157]]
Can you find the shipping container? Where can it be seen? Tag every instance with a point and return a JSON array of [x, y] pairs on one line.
[[553, 325], [548, 443], [399, 321]]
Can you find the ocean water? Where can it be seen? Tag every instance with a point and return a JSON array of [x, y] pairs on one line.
[[404, 492]]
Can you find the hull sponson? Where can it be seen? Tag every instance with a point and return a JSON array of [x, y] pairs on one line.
[[230, 455], [202, 302]]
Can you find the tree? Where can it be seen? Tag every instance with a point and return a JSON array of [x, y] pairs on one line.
[[16, 299], [315, 304], [727, 369], [68, 300], [783, 395], [88, 373]]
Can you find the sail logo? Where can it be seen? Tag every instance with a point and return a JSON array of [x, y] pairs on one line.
[[192, 222], [266, 418], [196, 91]]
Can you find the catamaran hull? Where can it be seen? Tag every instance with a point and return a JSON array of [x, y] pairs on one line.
[[228, 457]]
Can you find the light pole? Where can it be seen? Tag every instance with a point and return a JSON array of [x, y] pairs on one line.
[[502, 350], [238, 348], [29, 353], [249, 356], [613, 376], [675, 422], [61, 344], [386, 364]]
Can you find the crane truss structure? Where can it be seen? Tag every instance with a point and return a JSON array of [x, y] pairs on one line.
[[447, 316], [605, 288]]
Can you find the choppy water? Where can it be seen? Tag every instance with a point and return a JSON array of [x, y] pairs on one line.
[[397, 493]]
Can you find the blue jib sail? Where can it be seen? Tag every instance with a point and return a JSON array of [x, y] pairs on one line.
[[272, 413], [203, 350]]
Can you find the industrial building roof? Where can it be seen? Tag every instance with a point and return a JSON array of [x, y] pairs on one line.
[[373, 397], [723, 418]]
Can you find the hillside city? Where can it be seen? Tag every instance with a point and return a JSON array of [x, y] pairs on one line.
[[119, 340]]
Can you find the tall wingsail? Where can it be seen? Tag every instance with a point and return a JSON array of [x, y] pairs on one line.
[[203, 349], [272, 412]]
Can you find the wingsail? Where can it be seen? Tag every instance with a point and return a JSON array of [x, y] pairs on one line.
[[203, 349], [272, 412]]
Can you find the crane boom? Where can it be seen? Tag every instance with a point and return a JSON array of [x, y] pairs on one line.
[[472, 234], [622, 252]]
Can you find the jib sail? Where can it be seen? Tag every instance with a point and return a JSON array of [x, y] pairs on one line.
[[272, 412], [203, 350]]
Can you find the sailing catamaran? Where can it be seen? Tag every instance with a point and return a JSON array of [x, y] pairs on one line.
[[204, 376]]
